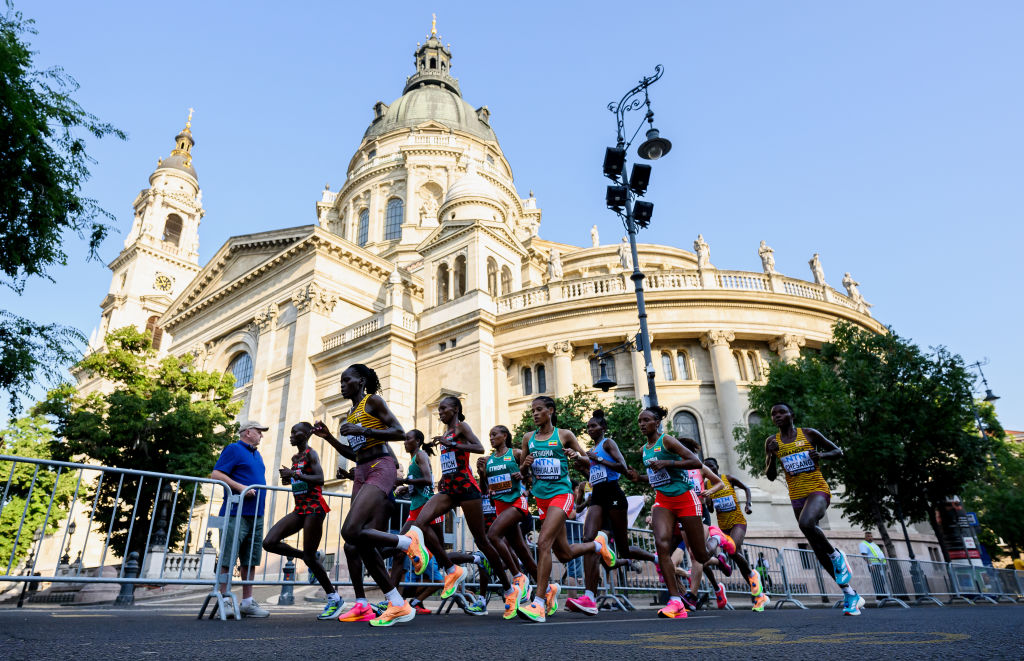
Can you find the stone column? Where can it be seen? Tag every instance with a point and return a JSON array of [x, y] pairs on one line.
[[787, 346], [265, 323], [730, 405], [562, 351], [501, 392]]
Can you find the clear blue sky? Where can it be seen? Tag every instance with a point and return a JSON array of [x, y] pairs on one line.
[[886, 136]]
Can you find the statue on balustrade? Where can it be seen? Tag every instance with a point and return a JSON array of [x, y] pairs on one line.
[[767, 258], [595, 239], [554, 265], [819, 273], [700, 246], [625, 255], [853, 291]]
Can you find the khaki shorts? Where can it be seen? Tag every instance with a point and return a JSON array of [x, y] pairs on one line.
[[250, 541]]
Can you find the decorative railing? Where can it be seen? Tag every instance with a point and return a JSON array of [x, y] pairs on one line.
[[742, 280], [523, 299], [434, 140], [599, 286], [662, 280], [376, 161], [401, 318]]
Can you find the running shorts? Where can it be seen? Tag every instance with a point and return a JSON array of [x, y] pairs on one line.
[[520, 504], [798, 504], [685, 504], [413, 515], [608, 496], [381, 473], [563, 501]]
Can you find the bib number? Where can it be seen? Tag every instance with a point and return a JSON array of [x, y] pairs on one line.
[[547, 468], [658, 478], [448, 463], [697, 478], [598, 474], [488, 506], [798, 462], [499, 484], [725, 504], [356, 442], [299, 486]]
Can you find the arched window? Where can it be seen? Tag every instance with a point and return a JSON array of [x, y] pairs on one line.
[[433, 63], [609, 368], [364, 227], [241, 367], [172, 229], [754, 365], [393, 219], [442, 283], [527, 381], [154, 332], [506, 280], [684, 425], [682, 366], [666, 366], [492, 276], [754, 419], [460, 276], [741, 372], [542, 379]]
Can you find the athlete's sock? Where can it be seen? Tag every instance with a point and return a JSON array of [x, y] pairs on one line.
[[414, 602], [518, 575], [403, 542], [451, 570], [589, 595], [362, 602], [334, 596], [847, 589], [679, 599], [834, 554], [247, 601], [538, 602], [395, 597], [478, 560], [597, 546]]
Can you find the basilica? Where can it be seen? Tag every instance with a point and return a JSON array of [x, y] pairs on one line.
[[430, 266]]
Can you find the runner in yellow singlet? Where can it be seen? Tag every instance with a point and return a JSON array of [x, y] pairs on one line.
[[799, 449]]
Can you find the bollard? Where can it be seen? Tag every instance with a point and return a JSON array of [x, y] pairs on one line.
[[287, 597], [131, 570]]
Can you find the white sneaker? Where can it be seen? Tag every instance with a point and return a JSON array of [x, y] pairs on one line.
[[252, 609], [229, 610]]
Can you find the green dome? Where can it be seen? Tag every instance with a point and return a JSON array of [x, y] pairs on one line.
[[431, 102]]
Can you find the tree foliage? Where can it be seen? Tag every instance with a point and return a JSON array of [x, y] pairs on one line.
[[31, 490], [165, 417], [43, 164], [901, 416]]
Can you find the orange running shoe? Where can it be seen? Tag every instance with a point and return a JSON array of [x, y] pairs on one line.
[[393, 614], [755, 583], [607, 554], [523, 586], [674, 610], [417, 551], [511, 602], [533, 612], [452, 581], [551, 598]]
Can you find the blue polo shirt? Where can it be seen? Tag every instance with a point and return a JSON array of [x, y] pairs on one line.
[[244, 464]]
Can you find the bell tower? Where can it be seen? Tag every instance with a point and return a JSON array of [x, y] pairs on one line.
[[161, 253]]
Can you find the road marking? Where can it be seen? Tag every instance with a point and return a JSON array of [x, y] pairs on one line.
[[698, 640], [79, 615]]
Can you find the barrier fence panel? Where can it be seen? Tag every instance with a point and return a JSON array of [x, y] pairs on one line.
[[775, 580], [915, 580]]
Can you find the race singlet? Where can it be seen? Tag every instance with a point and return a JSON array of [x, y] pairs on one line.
[[798, 462]]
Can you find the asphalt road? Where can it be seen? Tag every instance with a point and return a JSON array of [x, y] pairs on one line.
[[172, 631]]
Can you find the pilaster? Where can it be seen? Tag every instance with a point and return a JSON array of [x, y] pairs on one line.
[[730, 405]]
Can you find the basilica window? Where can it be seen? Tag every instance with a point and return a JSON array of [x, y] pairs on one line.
[[364, 227], [738, 360], [682, 366], [754, 364], [241, 367], [492, 276], [442, 284], [393, 219], [154, 332], [684, 425], [666, 366], [542, 378], [506, 280], [172, 229], [527, 377], [460, 275]]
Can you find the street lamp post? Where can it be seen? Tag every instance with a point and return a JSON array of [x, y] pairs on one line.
[[621, 197]]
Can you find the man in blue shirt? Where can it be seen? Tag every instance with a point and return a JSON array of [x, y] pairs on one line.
[[240, 465]]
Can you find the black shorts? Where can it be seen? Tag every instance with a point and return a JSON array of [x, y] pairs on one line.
[[608, 496], [706, 515], [460, 490]]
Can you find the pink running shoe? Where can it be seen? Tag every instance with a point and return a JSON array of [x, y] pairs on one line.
[[674, 610], [583, 604], [358, 613], [720, 597]]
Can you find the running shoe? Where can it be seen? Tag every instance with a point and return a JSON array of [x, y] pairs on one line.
[[331, 609], [852, 604], [253, 609], [511, 602], [358, 613], [723, 565], [841, 568], [551, 598], [418, 554], [583, 604], [478, 608], [393, 614], [482, 562], [533, 612], [720, 597], [674, 610], [755, 583], [523, 586], [607, 554], [421, 609], [452, 581], [760, 602], [690, 601], [319, 559]]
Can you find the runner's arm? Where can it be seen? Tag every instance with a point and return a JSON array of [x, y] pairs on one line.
[[746, 491], [818, 440], [618, 463], [687, 459], [316, 477], [424, 466], [716, 483], [771, 449], [378, 408], [321, 430], [469, 442]]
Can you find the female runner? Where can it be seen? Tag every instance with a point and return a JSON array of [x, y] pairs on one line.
[[546, 452], [306, 477], [368, 428], [607, 511], [798, 450]]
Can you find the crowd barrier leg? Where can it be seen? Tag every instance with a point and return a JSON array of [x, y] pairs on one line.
[[788, 596]]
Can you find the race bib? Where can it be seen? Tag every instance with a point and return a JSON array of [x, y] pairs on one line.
[[697, 478], [448, 463], [299, 486], [356, 442], [547, 468], [725, 504], [798, 462], [658, 478], [598, 474], [499, 484], [488, 506]]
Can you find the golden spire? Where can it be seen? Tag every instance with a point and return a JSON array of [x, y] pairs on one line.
[[433, 25], [188, 123]]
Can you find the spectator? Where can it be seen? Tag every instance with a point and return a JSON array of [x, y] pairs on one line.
[[240, 465], [876, 563]]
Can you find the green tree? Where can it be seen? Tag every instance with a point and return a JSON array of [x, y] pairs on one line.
[[43, 164], [31, 486], [165, 417], [900, 415]]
